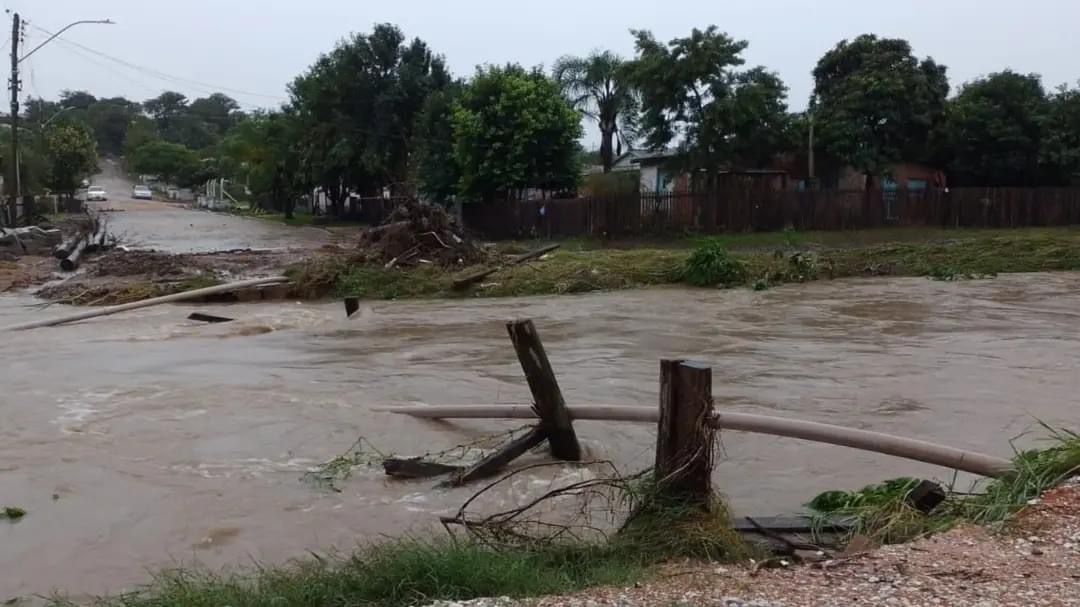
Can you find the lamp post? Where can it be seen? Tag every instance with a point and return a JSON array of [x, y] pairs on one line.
[[64, 29], [16, 31]]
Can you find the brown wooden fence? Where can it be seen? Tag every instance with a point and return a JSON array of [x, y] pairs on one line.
[[743, 210]]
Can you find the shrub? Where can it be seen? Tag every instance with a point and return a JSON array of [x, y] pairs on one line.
[[712, 265]]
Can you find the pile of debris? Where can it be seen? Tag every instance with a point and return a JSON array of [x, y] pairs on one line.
[[417, 233], [91, 236], [33, 240]]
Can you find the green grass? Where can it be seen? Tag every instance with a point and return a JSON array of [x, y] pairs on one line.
[[882, 512], [769, 260], [415, 572], [405, 572]]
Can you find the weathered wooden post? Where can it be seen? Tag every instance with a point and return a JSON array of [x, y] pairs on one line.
[[684, 441], [549, 404], [352, 305]]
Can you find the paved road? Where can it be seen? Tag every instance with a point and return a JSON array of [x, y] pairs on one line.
[[176, 229]]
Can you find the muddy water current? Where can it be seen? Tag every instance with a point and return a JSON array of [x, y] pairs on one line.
[[143, 440]]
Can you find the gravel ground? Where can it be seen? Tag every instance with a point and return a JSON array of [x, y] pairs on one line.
[[1035, 561]]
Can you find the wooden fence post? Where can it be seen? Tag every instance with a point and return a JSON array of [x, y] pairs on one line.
[[550, 406], [684, 441], [352, 306]]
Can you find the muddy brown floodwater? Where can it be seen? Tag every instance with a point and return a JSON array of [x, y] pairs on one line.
[[141, 440]]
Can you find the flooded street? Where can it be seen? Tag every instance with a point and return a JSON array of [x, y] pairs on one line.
[[143, 440], [172, 228]]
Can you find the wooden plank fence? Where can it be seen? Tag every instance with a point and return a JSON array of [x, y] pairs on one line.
[[757, 209]]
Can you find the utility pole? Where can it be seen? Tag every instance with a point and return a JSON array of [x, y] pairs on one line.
[[16, 186]]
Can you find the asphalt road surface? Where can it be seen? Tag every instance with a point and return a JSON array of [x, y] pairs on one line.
[[174, 228]]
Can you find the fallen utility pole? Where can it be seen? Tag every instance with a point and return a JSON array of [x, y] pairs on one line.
[[146, 303], [907, 448], [71, 262]]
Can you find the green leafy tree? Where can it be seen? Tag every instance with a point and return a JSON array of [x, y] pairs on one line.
[[110, 120], [514, 130], [218, 111], [435, 169], [875, 103], [1060, 153], [71, 156], [995, 130], [692, 94], [77, 99], [357, 107], [167, 110], [599, 86], [140, 132], [171, 162], [261, 151]]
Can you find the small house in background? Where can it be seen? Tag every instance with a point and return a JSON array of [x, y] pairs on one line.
[[660, 173], [903, 176]]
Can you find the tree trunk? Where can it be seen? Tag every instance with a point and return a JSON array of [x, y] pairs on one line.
[[607, 152]]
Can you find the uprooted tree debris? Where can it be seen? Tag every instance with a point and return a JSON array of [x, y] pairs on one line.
[[416, 233]]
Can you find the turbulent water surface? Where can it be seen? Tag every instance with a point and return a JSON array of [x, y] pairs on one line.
[[143, 440]]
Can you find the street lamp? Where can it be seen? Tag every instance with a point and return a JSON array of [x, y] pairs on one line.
[[54, 116], [65, 28]]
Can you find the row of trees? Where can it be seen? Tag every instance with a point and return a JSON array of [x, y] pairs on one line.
[[380, 113], [167, 136]]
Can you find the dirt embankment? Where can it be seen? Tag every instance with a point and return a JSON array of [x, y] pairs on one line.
[[121, 276], [1034, 560]]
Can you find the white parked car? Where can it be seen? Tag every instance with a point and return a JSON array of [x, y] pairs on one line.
[[141, 192], [96, 192]]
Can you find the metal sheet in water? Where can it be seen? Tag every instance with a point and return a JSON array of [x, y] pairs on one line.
[[144, 439]]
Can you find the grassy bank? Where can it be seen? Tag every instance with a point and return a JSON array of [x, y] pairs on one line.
[[764, 260], [883, 513]]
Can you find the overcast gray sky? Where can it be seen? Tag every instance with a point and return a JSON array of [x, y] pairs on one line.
[[255, 47]]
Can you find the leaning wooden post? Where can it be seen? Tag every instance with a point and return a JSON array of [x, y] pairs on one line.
[[548, 399], [352, 306], [684, 442]]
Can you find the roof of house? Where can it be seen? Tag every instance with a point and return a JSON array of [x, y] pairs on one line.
[[649, 155]]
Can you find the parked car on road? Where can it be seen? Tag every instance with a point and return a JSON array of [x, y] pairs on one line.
[[96, 192], [141, 192]]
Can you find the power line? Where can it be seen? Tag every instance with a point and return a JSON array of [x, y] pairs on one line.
[[112, 70], [162, 75]]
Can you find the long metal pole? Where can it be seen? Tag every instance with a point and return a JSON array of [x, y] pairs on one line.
[[898, 446]]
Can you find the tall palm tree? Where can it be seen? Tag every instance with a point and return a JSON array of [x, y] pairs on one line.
[[599, 87]]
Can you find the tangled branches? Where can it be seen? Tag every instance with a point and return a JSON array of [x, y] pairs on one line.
[[581, 511]]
